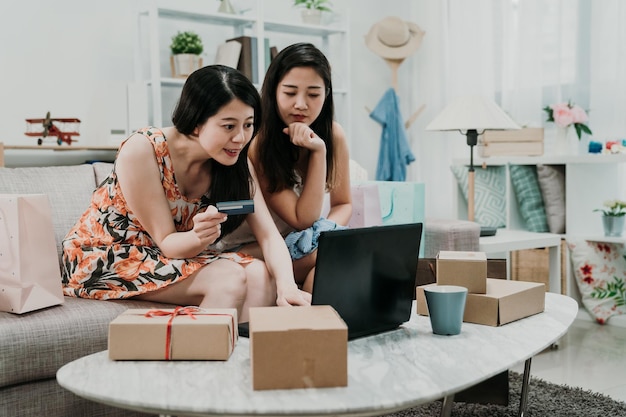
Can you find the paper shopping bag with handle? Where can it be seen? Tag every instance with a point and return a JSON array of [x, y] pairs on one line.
[[365, 206], [401, 202], [30, 278]]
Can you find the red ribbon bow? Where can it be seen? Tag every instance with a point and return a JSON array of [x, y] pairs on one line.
[[184, 311]]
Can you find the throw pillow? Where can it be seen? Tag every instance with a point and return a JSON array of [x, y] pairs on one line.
[[552, 184], [600, 272], [489, 190], [529, 199]]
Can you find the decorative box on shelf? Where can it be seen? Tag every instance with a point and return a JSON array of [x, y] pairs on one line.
[[523, 142]]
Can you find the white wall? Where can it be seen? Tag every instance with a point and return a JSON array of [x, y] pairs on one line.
[[69, 57], [75, 59]]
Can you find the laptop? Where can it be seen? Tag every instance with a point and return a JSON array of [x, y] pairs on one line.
[[368, 275]]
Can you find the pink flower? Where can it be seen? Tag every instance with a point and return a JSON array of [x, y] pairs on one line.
[[562, 115], [578, 114]]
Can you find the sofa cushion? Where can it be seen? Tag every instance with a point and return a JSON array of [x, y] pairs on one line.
[[69, 189], [102, 170], [552, 184], [528, 193], [35, 345], [489, 193], [600, 272]]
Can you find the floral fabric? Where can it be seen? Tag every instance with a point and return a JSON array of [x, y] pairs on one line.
[[109, 255], [600, 272]]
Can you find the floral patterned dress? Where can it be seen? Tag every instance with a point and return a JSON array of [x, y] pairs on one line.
[[109, 255]]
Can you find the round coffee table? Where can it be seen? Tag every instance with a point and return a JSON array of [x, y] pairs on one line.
[[386, 373]]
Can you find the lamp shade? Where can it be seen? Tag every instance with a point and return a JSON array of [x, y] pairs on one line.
[[472, 112]]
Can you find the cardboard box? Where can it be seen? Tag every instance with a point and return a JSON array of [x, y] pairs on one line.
[[298, 347], [510, 149], [526, 134], [523, 142], [467, 269], [194, 334], [504, 302]]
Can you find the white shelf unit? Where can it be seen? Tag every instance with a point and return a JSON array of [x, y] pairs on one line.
[[329, 38], [590, 179]]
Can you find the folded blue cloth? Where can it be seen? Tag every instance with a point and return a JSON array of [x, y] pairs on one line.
[[303, 242]]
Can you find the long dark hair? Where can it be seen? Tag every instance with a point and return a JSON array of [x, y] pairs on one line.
[[205, 92], [277, 155]]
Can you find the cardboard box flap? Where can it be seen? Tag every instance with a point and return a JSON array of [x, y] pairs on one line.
[[462, 256], [319, 317], [527, 134], [501, 288]]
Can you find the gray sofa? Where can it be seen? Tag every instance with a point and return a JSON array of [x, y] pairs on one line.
[[33, 346]]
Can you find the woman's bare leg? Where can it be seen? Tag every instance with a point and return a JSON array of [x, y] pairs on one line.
[[220, 284], [261, 288], [304, 270]]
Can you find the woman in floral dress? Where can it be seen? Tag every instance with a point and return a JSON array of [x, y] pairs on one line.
[[151, 227]]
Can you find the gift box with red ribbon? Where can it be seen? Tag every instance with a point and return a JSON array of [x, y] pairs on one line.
[[181, 333]]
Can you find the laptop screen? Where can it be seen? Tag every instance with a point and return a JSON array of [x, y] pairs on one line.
[[368, 275]]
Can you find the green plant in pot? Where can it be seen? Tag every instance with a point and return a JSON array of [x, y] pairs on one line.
[[312, 10], [186, 48], [613, 217]]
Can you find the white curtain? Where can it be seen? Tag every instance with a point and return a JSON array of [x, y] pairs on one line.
[[608, 70], [523, 54]]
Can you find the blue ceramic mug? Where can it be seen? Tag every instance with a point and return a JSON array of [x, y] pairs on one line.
[[446, 305]]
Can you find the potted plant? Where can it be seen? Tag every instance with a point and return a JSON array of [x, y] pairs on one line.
[[312, 10], [613, 216], [186, 48]]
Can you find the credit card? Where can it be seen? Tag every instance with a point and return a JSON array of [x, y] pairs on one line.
[[236, 207]]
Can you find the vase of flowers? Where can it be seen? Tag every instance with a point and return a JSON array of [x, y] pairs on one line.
[[613, 216], [565, 116]]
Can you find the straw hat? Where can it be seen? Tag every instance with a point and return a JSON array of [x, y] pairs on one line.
[[393, 38]]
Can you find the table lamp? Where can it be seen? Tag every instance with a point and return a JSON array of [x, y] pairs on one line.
[[472, 115]]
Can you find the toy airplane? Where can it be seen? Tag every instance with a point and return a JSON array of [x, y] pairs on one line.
[[61, 128]]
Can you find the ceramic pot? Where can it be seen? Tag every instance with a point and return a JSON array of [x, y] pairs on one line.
[[184, 64], [613, 225], [566, 141], [311, 16]]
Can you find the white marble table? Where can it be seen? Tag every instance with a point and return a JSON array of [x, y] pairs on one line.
[[386, 373]]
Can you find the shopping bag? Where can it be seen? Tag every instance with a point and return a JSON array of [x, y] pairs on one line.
[[401, 202], [30, 278], [365, 206]]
